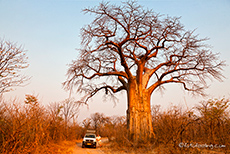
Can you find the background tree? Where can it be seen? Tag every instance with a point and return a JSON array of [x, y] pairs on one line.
[[214, 115], [54, 112], [97, 119], [139, 51], [13, 59], [86, 124], [70, 111]]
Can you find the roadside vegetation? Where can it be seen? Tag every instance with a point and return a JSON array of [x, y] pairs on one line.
[[30, 127], [204, 128]]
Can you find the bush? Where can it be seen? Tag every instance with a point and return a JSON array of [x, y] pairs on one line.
[[202, 129], [31, 128]]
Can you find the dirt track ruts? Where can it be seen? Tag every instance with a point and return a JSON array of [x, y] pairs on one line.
[[79, 150]]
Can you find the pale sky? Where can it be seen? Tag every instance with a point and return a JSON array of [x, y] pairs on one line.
[[50, 32]]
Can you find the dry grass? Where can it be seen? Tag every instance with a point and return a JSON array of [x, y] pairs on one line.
[[116, 149], [64, 147], [207, 124], [30, 128]]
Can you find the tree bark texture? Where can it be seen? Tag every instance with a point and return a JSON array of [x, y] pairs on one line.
[[139, 121]]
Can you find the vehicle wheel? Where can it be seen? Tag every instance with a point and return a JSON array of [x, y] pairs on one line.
[[83, 146]]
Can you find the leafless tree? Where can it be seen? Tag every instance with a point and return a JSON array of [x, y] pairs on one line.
[[214, 114], [13, 59], [54, 110], [86, 123], [70, 111], [98, 120], [139, 51]]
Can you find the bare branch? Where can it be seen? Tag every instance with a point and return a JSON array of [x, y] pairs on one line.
[[130, 44], [13, 59]]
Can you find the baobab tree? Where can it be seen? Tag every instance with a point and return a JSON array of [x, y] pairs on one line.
[[139, 51]]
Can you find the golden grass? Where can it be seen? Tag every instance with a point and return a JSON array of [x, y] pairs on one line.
[[63, 147]]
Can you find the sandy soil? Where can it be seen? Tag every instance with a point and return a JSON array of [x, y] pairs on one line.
[[79, 150]]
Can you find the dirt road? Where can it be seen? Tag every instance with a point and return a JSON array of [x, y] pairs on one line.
[[79, 150]]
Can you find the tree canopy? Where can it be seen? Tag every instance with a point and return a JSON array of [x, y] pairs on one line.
[[129, 41]]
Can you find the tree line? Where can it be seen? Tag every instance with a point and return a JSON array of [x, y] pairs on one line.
[[205, 126], [176, 130], [30, 127]]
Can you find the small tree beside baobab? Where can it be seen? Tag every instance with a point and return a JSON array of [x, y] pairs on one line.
[[139, 51], [13, 59]]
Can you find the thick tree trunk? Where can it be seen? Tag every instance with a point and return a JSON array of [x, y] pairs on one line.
[[139, 121]]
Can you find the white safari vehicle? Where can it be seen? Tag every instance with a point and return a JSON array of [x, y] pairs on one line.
[[89, 139]]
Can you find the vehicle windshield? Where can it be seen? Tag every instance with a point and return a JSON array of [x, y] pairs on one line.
[[90, 136]]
